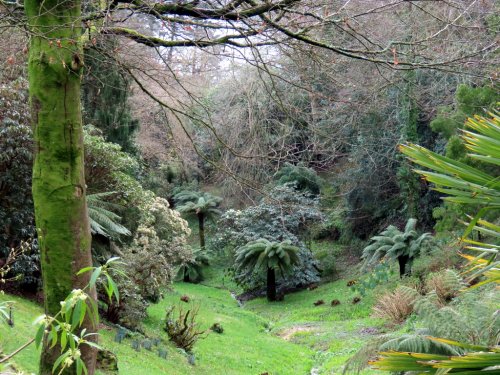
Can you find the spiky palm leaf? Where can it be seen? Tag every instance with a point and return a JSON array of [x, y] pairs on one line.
[[102, 220], [479, 360]]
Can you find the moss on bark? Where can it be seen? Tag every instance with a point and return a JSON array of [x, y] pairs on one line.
[[55, 65]]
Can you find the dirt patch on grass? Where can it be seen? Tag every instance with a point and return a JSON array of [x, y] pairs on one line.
[[288, 333]]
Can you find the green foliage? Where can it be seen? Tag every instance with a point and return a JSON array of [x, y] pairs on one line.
[[105, 162], [472, 318], [192, 269], [394, 244], [159, 246], [468, 102], [64, 329], [464, 184], [303, 178], [379, 275], [263, 255], [435, 259], [16, 160]]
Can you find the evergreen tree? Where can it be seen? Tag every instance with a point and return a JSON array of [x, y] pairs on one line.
[[105, 97]]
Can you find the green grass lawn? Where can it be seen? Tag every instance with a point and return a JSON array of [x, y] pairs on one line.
[[288, 337]]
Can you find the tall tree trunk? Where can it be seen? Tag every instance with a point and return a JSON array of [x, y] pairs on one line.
[[403, 263], [55, 68], [271, 284], [201, 226]]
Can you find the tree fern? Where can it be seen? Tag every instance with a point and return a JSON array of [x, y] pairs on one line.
[[268, 256], [202, 205], [396, 245]]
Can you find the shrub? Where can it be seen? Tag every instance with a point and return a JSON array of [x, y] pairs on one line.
[[304, 179], [396, 306], [182, 328], [159, 245]]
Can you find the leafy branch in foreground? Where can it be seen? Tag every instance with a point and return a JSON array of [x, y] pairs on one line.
[[62, 328]]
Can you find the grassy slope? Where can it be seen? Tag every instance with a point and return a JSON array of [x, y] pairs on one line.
[[312, 337]]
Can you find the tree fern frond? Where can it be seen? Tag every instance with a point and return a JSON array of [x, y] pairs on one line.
[[102, 220]]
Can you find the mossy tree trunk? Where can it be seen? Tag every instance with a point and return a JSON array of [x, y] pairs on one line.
[[55, 69], [271, 284], [201, 226]]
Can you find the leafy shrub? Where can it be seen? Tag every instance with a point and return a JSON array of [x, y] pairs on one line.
[[397, 305], [159, 245], [182, 328], [380, 274], [16, 159], [471, 317]]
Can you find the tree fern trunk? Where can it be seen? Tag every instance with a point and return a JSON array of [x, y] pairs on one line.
[[55, 68], [403, 265], [201, 226], [271, 284]]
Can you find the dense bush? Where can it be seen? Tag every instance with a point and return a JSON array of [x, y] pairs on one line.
[[304, 179]]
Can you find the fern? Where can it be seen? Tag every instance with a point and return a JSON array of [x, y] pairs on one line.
[[102, 220], [473, 317]]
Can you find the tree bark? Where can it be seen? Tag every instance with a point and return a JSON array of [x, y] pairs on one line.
[[55, 68], [201, 226], [271, 284]]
